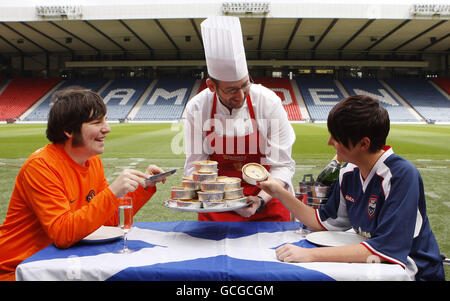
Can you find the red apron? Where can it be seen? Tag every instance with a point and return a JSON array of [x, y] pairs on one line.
[[241, 150]]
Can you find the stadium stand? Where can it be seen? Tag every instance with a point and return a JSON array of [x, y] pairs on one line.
[[372, 87], [423, 97], [282, 87], [121, 96], [40, 113], [444, 83], [21, 93], [407, 100], [320, 95], [166, 101]]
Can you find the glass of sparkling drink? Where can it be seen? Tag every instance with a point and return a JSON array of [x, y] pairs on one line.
[[125, 220]]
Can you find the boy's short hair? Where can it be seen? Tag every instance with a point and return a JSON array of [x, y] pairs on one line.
[[356, 117], [71, 108]]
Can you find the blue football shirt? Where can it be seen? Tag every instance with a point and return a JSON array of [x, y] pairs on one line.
[[389, 209]]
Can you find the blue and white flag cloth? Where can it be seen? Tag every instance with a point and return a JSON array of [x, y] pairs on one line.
[[191, 251]]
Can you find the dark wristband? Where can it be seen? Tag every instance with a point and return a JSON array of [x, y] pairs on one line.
[[261, 206]]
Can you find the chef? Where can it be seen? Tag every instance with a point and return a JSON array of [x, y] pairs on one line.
[[235, 122]]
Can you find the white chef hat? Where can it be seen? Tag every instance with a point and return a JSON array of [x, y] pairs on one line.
[[224, 48]]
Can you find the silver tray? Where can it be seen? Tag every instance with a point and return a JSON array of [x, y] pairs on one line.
[[203, 210]]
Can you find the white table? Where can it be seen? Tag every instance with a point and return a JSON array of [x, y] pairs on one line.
[[190, 251]]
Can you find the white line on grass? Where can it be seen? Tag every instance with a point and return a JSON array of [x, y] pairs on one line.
[[432, 195], [433, 167]]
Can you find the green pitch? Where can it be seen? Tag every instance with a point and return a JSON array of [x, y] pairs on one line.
[[137, 145]]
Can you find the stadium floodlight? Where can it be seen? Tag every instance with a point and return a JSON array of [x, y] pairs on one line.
[[59, 11], [237, 8]]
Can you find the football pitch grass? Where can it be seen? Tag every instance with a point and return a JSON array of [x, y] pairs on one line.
[[138, 145]]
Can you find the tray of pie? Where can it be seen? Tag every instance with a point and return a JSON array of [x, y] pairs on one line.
[[206, 191], [207, 207]]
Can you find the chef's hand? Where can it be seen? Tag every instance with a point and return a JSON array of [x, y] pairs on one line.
[[151, 171], [251, 209]]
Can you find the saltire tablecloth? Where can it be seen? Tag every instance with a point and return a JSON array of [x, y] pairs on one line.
[[191, 251]]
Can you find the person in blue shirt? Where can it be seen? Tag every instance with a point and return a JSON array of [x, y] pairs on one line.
[[379, 194]]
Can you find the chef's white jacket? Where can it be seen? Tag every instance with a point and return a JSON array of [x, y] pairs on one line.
[[271, 119]]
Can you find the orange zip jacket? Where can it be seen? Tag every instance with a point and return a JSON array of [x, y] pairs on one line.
[[55, 200]]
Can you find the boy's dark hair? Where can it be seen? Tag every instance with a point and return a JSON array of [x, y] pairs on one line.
[[71, 108], [356, 117]]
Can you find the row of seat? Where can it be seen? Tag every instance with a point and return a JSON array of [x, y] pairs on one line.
[[41, 109], [21, 93], [432, 104], [444, 83], [407, 100]]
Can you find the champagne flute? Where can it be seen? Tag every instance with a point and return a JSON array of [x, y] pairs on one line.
[[302, 195], [125, 220], [319, 196]]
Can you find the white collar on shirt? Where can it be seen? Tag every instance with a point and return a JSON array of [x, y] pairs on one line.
[[377, 168], [242, 112], [238, 123]]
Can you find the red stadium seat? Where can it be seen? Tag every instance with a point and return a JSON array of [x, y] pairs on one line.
[[21, 93], [444, 83], [282, 87]]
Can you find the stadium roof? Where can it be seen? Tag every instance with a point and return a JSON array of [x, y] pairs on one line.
[[124, 28]]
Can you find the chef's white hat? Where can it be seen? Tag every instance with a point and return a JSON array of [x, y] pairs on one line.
[[224, 48]]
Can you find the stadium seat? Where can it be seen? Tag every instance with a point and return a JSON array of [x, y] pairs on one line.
[[122, 95], [168, 97], [40, 113], [166, 101], [424, 97], [21, 93], [282, 87], [372, 87], [444, 83], [320, 95]]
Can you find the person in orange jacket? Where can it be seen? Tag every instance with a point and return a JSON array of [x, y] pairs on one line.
[[61, 194]]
